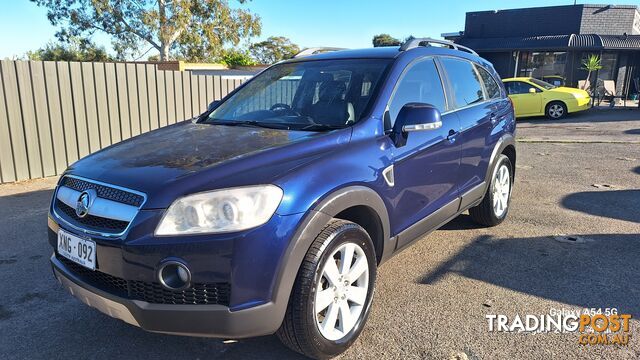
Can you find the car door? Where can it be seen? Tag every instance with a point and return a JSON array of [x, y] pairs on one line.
[[476, 112], [524, 102], [426, 167]]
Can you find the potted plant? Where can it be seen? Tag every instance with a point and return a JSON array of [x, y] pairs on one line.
[[591, 63]]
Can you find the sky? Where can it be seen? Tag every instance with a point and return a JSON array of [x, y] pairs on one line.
[[340, 23]]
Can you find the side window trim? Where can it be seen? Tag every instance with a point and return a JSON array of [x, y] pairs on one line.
[[406, 69], [446, 88]]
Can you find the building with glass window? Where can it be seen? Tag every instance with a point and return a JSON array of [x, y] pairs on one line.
[[550, 43]]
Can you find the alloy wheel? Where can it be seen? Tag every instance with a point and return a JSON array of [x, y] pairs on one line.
[[501, 190], [556, 111], [341, 293]]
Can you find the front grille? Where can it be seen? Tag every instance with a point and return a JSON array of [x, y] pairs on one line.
[[154, 293], [106, 192], [95, 223], [213, 293]]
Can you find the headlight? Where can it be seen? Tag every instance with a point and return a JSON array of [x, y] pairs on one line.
[[220, 211]]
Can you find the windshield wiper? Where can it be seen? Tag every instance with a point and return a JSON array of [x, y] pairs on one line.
[[252, 123], [273, 125], [321, 127]]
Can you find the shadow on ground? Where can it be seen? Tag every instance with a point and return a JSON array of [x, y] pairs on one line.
[[462, 222], [614, 204], [602, 272]]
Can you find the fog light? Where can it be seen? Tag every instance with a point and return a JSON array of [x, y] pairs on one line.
[[174, 275]]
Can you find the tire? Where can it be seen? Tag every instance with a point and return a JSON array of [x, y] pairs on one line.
[[488, 213], [301, 329], [556, 110]]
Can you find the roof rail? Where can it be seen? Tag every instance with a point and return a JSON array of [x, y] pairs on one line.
[[316, 50], [414, 43]]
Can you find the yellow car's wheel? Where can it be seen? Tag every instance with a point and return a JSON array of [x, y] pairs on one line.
[[556, 110]]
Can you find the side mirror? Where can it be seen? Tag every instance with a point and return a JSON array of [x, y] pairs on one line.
[[415, 117], [213, 104], [532, 90]]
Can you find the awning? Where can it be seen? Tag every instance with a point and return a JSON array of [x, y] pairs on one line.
[[554, 42], [517, 43], [620, 42]]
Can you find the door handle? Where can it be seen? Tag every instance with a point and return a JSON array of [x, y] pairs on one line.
[[452, 135]]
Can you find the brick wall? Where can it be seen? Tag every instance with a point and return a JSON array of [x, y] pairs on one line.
[[609, 20]]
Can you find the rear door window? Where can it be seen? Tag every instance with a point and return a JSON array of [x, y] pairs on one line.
[[464, 80]]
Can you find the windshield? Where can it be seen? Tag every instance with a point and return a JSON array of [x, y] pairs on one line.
[[308, 95], [543, 84]]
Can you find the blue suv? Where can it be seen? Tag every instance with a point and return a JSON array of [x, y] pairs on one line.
[[270, 212]]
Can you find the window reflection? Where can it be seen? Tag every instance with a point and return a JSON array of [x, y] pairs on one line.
[[549, 66]]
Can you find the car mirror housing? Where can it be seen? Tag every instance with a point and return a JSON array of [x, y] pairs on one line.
[[532, 90], [415, 117]]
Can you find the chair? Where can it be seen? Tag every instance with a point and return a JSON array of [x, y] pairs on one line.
[[584, 85], [610, 91]]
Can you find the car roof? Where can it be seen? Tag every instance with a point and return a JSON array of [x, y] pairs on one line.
[[385, 52], [388, 52], [521, 78]]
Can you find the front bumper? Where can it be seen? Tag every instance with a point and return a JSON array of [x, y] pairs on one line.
[[581, 104], [246, 263], [240, 282], [193, 320]]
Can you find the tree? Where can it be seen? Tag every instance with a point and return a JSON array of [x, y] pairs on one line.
[[274, 49], [385, 40], [195, 29], [591, 63], [235, 58], [75, 50]]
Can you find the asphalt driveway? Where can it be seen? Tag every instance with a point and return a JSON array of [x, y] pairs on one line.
[[578, 177]]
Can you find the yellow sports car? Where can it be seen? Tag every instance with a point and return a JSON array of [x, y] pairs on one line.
[[533, 97]]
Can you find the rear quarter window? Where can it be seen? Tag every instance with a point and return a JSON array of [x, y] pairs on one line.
[[490, 85]]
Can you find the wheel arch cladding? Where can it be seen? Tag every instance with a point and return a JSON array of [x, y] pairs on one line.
[[510, 152], [363, 206], [369, 220], [505, 145], [352, 202]]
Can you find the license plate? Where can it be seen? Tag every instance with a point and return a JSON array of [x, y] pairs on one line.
[[76, 249]]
